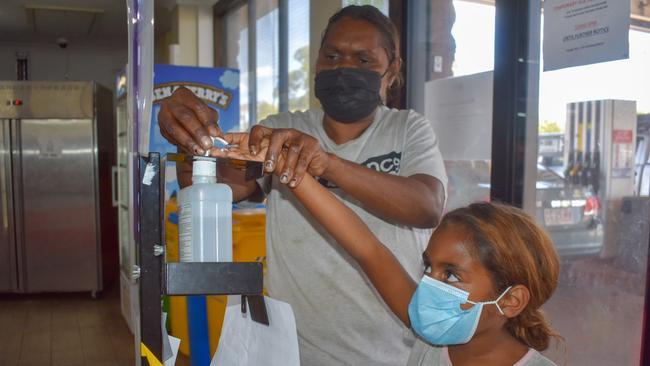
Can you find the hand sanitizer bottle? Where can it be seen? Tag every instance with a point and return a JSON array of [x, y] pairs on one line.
[[205, 217]]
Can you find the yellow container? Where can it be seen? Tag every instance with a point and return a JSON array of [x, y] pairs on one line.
[[177, 304], [249, 245]]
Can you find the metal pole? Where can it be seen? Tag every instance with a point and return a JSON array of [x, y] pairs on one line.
[[283, 82], [252, 64], [515, 103]]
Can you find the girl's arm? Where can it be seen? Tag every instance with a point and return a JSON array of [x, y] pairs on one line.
[[382, 268]]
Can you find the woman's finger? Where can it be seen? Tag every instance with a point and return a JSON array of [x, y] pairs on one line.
[[178, 136], [257, 135], [279, 139], [208, 117], [292, 154], [189, 121]]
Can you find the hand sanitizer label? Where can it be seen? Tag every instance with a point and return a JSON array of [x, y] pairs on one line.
[[185, 233]]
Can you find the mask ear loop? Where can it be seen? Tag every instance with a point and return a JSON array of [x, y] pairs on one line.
[[495, 302]]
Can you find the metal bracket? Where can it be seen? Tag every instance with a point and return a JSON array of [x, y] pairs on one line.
[[257, 307], [223, 278], [157, 278]]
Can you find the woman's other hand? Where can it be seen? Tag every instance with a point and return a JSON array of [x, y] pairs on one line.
[[188, 122], [300, 153]]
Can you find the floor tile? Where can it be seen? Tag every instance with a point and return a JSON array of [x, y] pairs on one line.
[[35, 343], [68, 358], [69, 339], [9, 358], [34, 358], [10, 341], [64, 330]]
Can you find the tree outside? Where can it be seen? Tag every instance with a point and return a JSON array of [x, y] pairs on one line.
[[265, 109], [299, 81]]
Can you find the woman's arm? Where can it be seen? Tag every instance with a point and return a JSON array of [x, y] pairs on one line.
[[382, 268], [416, 200]]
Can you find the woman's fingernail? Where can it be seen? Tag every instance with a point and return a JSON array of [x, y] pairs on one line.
[[206, 142], [293, 183], [268, 165], [212, 130], [197, 150], [253, 150], [284, 178]]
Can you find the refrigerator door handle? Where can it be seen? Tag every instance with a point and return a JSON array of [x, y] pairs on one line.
[[114, 199], [8, 257], [18, 207]]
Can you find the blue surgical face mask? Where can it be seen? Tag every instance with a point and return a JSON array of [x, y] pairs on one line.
[[437, 317]]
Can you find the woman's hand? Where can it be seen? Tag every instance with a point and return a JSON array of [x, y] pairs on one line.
[[301, 153], [187, 122]]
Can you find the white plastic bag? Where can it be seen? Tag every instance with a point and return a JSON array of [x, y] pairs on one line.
[[244, 342]]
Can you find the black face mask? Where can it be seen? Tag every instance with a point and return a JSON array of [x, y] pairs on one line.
[[348, 94]]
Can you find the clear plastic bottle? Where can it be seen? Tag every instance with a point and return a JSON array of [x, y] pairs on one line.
[[205, 216]]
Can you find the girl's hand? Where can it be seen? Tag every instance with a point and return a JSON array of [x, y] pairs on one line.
[[242, 150]]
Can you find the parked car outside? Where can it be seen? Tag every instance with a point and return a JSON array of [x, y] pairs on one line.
[[570, 213]]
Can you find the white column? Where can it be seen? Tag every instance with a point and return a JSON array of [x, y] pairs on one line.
[[205, 36]]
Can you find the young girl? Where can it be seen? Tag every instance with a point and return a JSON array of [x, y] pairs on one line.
[[488, 270]]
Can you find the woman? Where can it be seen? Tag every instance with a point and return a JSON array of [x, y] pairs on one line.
[[383, 163]]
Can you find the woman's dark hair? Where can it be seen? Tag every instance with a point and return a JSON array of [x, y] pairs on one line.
[[384, 25]]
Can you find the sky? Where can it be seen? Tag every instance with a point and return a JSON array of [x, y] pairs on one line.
[[473, 31], [623, 79]]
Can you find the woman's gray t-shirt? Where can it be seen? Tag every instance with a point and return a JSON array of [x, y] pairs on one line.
[[341, 319]]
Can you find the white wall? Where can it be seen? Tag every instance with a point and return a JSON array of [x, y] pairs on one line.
[[48, 62]]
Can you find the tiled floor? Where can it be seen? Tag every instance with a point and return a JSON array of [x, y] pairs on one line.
[[65, 330]]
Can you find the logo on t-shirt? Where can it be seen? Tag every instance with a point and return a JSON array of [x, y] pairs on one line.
[[387, 163]]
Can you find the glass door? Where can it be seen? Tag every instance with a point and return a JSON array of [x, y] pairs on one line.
[[450, 62], [591, 197]]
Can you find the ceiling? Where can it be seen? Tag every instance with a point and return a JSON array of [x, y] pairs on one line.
[[80, 21]]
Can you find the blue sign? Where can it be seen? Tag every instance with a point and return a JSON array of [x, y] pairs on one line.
[[218, 87]]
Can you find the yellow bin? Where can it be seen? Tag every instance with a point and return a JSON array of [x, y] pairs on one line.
[[249, 245]]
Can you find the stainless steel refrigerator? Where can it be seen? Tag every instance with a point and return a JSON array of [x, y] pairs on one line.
[[58, 229]]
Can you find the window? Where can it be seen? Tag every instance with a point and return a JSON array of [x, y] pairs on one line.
[[272, 54], [585, 200], [267, 57], [450, 58], [236, 52], [473, 33], [299, 62]]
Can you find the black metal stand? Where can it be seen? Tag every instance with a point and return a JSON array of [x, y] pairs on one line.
[[157, 278]]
